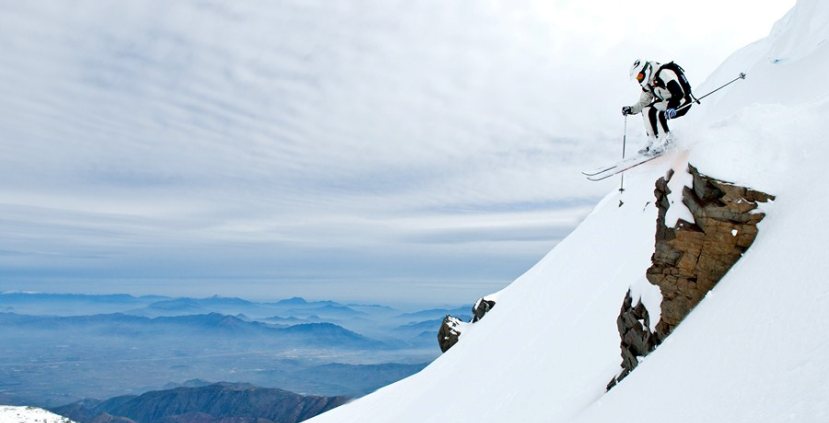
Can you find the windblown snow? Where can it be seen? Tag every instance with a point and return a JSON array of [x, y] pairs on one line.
[[753, 351]]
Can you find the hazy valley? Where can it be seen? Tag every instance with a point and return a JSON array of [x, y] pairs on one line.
[[59, 349]]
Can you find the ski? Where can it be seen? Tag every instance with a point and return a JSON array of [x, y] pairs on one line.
[[600, 170], [621, 163], [622, 166]]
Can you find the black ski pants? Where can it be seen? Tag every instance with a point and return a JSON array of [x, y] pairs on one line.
[[656, 124]]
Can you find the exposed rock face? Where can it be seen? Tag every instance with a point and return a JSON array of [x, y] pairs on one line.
[[481, 307], [689, 258], [449, 333], [637, 339]]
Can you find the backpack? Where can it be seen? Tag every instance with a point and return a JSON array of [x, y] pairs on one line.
[[680, 73]]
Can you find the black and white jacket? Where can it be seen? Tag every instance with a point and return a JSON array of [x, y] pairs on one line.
[[663, 91]]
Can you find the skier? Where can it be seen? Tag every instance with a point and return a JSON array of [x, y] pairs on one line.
[[666, 94]]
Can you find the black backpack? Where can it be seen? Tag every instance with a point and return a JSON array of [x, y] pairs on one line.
[[680, 73]]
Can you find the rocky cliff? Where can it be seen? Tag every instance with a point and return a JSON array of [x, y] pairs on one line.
[[689, 257]]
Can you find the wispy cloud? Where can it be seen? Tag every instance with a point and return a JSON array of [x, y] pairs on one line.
[[298, 139]]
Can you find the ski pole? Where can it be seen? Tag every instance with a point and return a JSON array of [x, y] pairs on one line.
[[624, 143], [697, 99], [741, 76]]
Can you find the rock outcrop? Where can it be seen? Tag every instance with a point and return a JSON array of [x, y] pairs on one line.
[[637, 339], [689, 258], [451, 327], [481, 308], [449, 332]]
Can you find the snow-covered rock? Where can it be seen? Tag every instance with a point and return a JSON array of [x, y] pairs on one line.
[[690, 258], [10, 414], [482, 307], [450, 332], [754, 350]]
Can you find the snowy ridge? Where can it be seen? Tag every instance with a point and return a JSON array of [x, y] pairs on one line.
[[29, 415], [754, 350]]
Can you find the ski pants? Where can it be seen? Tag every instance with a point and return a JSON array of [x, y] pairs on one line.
[[656, 125]]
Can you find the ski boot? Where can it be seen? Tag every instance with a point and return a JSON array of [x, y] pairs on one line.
[[648, 149], [662, 144]]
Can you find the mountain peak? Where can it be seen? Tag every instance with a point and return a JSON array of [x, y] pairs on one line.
[[292, 301]]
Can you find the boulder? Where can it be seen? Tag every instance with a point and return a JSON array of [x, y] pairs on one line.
[[449, 333], [451, 327], [481, 307]]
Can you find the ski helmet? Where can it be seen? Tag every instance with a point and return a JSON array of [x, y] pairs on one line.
[[641, 71]]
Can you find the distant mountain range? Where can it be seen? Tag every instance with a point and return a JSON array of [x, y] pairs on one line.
[[464, 313], [339, 377], [215, 403], [22, 297], [70, 304], [427, 325], [212, 324], [59, 348], [376, 321], [154, 306]]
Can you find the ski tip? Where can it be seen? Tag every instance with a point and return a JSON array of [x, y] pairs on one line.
[[615, 170], [597, 178], [598, 171]]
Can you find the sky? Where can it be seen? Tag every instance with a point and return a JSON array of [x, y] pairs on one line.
[[378, 150]]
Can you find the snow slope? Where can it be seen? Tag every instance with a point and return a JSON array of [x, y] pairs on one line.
[[753, 351], [29, 415]]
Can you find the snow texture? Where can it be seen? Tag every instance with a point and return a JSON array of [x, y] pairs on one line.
[[753, 351], [29, 415], [650, 296]]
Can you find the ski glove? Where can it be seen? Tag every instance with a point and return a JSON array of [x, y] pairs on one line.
[[670, 113], [626, 111]]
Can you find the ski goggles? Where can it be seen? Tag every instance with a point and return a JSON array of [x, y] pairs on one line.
[[640, 77]]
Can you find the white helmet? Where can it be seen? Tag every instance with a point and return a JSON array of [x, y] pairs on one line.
[[641, 71]]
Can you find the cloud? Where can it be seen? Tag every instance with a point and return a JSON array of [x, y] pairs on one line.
[[251, 139]]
